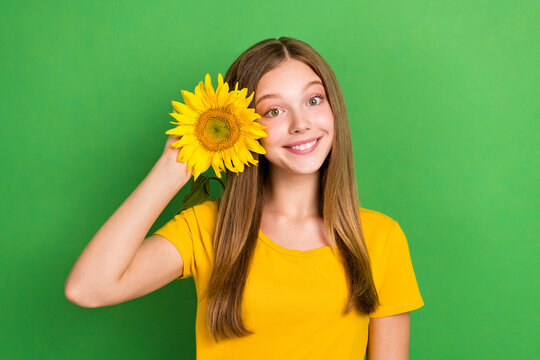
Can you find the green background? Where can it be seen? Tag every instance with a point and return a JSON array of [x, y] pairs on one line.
[[443, 105]]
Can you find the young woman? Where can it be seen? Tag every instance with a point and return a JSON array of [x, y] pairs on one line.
[[286, 263]]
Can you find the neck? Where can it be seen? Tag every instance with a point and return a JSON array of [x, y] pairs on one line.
[[296, 196]]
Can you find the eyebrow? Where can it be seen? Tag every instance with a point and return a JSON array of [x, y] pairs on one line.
[[311, 83]]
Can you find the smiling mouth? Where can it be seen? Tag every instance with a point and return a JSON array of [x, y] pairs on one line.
[[304, 145], [304, 148]]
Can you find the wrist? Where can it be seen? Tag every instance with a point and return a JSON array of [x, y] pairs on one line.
[[172, 171]]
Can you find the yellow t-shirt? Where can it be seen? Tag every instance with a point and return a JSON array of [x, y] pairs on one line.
[[293, 299]]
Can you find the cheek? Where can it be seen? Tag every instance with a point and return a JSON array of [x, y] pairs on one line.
[[325, 122], [272, 131], [329, 121], [270, 140]]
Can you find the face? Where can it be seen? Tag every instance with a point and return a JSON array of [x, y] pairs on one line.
[[292, 102]]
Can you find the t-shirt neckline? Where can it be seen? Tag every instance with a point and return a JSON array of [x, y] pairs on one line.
[[317, 251]]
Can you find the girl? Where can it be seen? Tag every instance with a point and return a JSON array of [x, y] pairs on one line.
[[286, 263]]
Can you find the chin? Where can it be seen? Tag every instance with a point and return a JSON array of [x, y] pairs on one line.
[[295, 167], [307, 170]]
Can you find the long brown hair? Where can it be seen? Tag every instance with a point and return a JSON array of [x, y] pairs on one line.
[[238, 222]]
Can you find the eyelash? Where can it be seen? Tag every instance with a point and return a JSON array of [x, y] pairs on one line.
[[314, 96]]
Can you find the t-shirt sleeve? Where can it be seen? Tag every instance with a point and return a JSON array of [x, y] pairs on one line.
[[177, 231], [398, 289]]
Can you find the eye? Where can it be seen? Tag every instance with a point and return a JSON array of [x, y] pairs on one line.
[[321, 97], [273, 111]]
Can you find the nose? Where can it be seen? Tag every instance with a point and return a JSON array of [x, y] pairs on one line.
[[299, 122]]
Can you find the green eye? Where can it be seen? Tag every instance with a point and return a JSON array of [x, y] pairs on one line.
[[273, 112], [315, 97]]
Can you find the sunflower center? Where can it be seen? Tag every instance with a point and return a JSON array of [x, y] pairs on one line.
[[217, 129]]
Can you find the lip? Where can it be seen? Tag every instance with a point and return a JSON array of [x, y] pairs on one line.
[[301, 142], [306, 151]]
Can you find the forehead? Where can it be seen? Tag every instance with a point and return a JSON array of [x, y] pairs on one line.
[[289, 77]]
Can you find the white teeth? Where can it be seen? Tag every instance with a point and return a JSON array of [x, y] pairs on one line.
[[304, 146]]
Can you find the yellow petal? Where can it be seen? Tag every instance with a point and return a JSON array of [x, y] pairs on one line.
[[227, 161], [201, 160], [259, 126], [185, 140], [217, 161], [248, 100], [193, 101], [184, 109], [242, 93], [195, 172], [208, 86], [181, 130], [248, 116], [220, 79], [253, 145], [182, 157], [199, 93], [183, 119], [217, 164], [186, 153], [237, 163], [199, 88], [218, 174], [251, 159], [241, 151], [205, 159], [254, 130], [223, 95]]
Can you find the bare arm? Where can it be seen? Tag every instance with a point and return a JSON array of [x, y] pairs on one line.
[[389, 337], [95, 276]]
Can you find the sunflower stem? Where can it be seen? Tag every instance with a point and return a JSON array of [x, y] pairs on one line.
[[199, 192], [218, 179]]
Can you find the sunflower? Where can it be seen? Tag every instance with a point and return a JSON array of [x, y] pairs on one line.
[[216, 128]]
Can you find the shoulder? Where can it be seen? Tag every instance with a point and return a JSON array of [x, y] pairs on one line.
[[202, 215], [204, 209], [379, 229], [375, 221]]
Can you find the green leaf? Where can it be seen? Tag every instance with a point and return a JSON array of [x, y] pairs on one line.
[[198, 193]]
